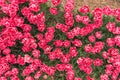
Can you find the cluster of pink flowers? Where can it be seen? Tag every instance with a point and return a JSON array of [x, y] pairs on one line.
[[98, 46], [14, 29]]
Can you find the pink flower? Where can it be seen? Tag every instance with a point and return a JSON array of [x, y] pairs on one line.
[[56, 2], [109, 69], [88, 70], [85, 20], [3, 78], [68, 7], [70, 75], [98, 35], [89, 78], [105, 55], [88, 48], [68, 14], [60, 67], [107, 10], [110, 42], [66, 43], [14, 71], [27, 58], [51, 71], [8, 74], [34, 7], [78, 18], [36, 53], [73, 51], [113, 51], [58, 43], [65, 58], [26, 27], [39, 36], [84, 9], [37, 74], [97, 62], [14, 78], [29, 78], [76, 78], [68, 67], [20, 60], [6, 51], [77, 43], [104, 77], [110, 26], [91, 38], [53, 11]]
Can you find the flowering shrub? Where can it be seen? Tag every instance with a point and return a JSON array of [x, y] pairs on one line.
[[39, 42]]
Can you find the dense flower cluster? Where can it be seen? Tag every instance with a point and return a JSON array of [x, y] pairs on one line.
[[29, 47]]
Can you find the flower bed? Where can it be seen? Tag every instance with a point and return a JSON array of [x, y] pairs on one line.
[[42, 42]]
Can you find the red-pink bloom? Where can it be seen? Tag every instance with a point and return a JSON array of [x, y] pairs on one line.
[[84, 9], [88, 48], [76, 78], [6, 51], [68, 67], [58, 43], [105, 55], [104, 77], [70, 75], [65, 58], [8, 74], [98, 47], [37, 62], [29, 78], [78, 18], [4, 67], [88, 70], [69, 21], [39, 36], [85, 20], [98, 35], [33, 45], [14, 71], [110, 42], [97, 62], [3, 78], [34, 7], [66, 43], [36, 53], [26, 27], [51, 71], [60, 67], [56, 2], [68, 7], [73, 51], [85, 64], [91, 38], [20, 60], [110, 26], [113, 51], [109, 69], [115, 75], [53, 11], [28, 58], [14, 77], [77, 43], [107, 10], [68, 14], [37, 74], [117, 40], [89, 78]]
